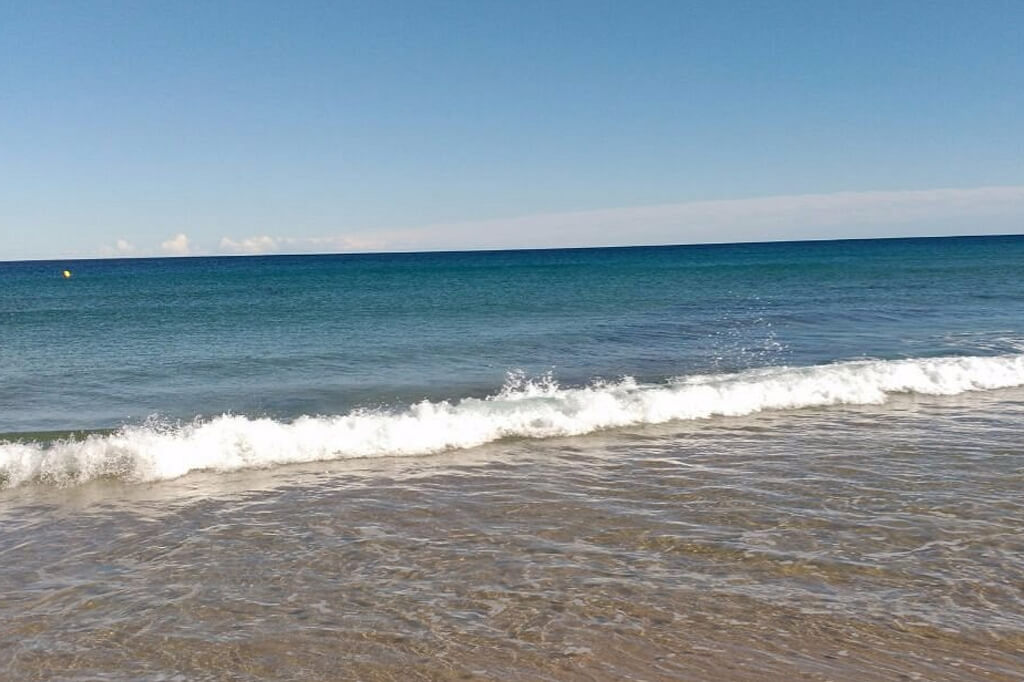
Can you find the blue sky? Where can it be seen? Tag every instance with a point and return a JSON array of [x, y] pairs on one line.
[[147, 128]]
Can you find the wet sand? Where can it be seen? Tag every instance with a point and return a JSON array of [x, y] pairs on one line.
[[846, 544]]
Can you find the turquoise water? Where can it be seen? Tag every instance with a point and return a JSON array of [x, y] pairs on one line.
[[283, 336], [749, 462]]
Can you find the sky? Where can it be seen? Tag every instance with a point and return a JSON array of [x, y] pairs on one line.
[[194, 128]]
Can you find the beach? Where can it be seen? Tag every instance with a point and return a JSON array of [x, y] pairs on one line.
[[763, 461]]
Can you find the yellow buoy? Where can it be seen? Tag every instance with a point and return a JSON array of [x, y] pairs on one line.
[[67, 274]]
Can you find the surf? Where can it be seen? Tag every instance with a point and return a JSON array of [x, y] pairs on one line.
[[522, 408]]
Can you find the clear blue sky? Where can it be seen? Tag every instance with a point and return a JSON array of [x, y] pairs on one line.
[[332, 125]]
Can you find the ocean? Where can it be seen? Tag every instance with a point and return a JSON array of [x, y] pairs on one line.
[[750, 461]]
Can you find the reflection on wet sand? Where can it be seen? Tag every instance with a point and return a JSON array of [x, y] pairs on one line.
[[841, 544]]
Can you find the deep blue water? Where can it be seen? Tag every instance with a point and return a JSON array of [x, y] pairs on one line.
[[745, 461], [285, 336]]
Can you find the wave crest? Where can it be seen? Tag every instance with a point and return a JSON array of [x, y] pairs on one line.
[[523, 408]]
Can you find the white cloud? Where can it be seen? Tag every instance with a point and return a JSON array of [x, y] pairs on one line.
[[808, 216], [982, 210], [178, 245], [266, 244], [122, 247], [250, 245]]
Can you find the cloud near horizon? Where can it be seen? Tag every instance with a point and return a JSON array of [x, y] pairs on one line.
[[178, 245], [265, 244], [120, 249], [789, 217]]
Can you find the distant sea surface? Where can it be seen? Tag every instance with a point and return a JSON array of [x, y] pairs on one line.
[[743, 461]]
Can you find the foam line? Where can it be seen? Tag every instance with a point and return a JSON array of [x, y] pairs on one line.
[[522, 409]]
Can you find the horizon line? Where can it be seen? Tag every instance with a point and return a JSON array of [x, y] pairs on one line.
[[314, 254]]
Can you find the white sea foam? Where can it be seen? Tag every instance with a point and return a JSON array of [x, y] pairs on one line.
[[523, 409]]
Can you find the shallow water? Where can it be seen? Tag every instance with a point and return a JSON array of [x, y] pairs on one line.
[[844, 543], [759, 461]]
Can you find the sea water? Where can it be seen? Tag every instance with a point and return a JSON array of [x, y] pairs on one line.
[[729, 461]]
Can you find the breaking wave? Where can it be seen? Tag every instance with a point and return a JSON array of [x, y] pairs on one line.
[[522, 409]]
